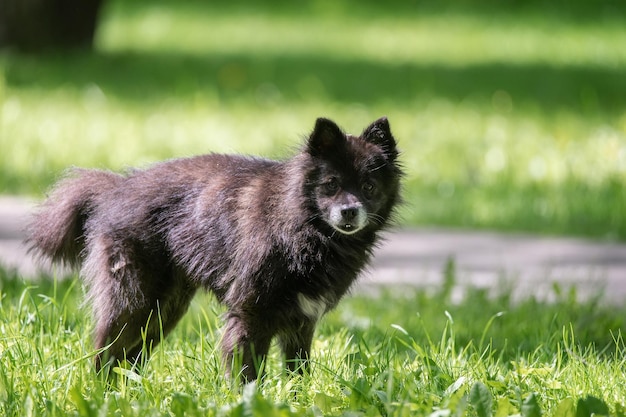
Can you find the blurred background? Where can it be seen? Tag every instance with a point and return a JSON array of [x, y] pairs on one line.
[[511, 115]]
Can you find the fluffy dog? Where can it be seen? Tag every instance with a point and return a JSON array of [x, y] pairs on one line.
[[278, 242]]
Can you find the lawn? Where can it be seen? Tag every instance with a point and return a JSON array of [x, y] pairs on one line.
[[427, 356], [509, 116]]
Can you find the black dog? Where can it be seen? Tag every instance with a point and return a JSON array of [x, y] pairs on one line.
[[278, 242]]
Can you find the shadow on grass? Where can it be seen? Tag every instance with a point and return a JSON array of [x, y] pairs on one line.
[[149, 76], [570, 11]]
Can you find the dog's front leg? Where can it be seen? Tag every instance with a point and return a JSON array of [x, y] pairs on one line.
[[296, 346], [244, 345]]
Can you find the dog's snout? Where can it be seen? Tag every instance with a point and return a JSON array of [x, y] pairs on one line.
[[348, 218], [349, 213]]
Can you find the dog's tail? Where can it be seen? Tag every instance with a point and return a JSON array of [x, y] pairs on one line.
[[57, 229]]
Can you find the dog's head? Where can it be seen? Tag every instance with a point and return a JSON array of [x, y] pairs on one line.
[[355, 180]]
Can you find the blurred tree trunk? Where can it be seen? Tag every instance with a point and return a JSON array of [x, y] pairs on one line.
[[34, 25]]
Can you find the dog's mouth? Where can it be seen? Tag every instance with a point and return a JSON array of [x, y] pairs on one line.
[[347, 228]]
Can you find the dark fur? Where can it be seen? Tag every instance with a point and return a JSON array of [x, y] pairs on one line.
[[253, 231]]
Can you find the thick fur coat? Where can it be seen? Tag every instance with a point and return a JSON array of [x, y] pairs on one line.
[[278, 242]]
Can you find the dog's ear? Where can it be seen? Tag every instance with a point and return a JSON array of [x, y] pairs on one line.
[[379, 133], [325, 138]]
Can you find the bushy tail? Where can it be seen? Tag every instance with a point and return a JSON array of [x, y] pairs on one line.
[[56, 230]]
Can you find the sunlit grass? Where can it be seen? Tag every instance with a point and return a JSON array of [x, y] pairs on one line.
[[425, 355]]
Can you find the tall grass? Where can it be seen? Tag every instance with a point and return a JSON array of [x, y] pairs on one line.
[[418, 354], [508, 117]]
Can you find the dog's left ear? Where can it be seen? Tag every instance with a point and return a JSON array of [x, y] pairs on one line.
[[379, 133]]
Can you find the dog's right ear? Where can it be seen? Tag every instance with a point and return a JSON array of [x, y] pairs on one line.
[[379, 134], [325, 138]]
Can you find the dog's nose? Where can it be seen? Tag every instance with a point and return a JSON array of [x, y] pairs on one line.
[[349, 213]]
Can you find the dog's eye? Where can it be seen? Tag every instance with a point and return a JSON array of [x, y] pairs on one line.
[[368, 189], [332, 185]]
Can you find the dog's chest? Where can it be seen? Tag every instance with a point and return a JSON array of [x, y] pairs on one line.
[[312, 307]]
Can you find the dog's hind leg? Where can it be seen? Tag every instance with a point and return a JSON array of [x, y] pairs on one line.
[[135, 302], [119, 337], [133, 333], [172, 301]]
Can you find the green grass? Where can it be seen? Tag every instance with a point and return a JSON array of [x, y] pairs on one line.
[[418, 354], [510, 116]]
